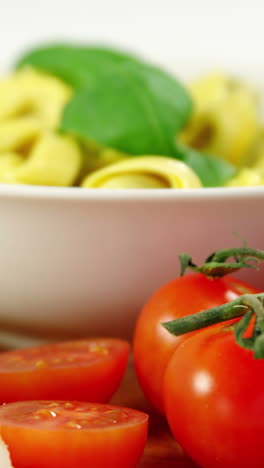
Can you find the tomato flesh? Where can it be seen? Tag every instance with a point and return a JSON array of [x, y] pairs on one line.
[[85, 370], [216, 407], [153, 345], [56, 434]]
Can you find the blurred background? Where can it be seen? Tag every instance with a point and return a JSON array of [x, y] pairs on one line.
[[204, 31]]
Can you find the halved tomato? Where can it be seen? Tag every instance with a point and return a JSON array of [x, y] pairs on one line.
[[56, 434], [85, 370]]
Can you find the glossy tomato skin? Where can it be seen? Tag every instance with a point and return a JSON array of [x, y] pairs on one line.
[[153, 345], [216, 408], [85, 370], [43, 436]]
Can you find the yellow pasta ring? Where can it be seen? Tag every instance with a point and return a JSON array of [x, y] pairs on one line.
[[209, 90], [19, 134], [144, 172], [255, 155], [55, 160], [225, 121], [247, 177], [30, 92], [97, 157], [9, 162]]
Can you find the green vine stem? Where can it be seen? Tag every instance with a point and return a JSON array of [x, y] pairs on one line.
[[249, 306], [217, 265]]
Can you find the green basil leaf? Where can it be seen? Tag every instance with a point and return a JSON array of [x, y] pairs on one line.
[[134, 109], [212, 171], [163, 85], [127, 104], [77, 65]]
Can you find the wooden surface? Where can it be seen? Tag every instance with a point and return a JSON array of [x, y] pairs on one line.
[[161, 450]]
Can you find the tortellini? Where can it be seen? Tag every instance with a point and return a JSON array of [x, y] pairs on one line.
[[54, 160], [9, 162], [225, 123], [255, 154], [247, 177], [225, 120], [33, 94], [97, 157], [144, 172], [252, 173], [31, 152], [19, 134]]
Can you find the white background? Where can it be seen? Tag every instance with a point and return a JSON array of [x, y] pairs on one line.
[[213, 31]]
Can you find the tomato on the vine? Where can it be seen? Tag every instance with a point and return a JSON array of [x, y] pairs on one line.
[[85, 370], [214, 400], [153, 345], [56, 434]]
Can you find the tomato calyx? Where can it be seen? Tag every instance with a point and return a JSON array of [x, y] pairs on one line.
[[248, 331], [255, 342], [217, 264]]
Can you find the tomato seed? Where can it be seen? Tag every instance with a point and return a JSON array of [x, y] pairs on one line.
[[99, 349], [73, 425], [68, 405], [47, 413], [41, 364]]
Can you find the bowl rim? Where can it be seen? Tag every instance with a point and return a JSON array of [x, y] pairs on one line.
[[34, 192]]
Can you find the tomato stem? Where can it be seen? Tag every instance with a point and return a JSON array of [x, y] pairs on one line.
[[217, 265], [208, 317], [248, 306]]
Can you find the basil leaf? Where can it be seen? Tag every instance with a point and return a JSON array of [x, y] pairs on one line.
[[212, 171], [134, 109], [127, 104], [178, 102], [124, 103], [77, 65]]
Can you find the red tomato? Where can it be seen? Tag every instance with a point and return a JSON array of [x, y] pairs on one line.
[[153, 345], [216, 407], [86, 370], [45, 434]]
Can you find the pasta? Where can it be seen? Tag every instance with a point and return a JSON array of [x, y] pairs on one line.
[[9, 162], [54, 160], [18, 134], [225, 121], [247, 177], [252, 174], [144, 172], [97, 157], [32, 93], [31, 152]]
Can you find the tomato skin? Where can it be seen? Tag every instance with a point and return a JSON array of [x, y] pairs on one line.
[[35, 446], [153, 345], [64, 371], [216, 408]]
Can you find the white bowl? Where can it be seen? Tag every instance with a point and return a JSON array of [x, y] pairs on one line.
[[78, 262]]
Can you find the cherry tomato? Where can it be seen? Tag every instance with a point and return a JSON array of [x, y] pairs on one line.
[[214, 400], [153, 345], [55, 434], [86, 370]]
